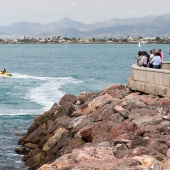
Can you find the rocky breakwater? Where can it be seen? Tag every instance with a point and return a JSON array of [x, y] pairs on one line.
[[114, 129]]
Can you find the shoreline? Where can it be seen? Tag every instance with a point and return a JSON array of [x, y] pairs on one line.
[[85, 43]]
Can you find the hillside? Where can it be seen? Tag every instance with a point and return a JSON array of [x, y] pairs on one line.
[[146, 26]]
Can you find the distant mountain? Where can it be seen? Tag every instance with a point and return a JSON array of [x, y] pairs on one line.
[[144, 26], [118, 22], [22, 28], [66, 23]]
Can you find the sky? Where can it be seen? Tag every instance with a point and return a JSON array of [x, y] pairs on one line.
[[86, 11]]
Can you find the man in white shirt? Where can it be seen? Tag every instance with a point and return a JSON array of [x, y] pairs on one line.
[[156, 61]]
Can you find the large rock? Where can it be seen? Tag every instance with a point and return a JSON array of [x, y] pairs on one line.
[[68, 98], [113, 129], [54, 139]]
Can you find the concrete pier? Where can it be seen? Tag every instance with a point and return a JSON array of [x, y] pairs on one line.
[[148, 80]]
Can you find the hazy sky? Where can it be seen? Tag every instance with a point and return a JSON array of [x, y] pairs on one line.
[[86, 11]]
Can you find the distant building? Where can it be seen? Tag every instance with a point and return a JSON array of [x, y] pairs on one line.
[[15, 41]]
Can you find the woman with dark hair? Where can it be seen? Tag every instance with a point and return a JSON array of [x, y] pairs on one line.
[[140, 53], [147, 55], [143, 61]]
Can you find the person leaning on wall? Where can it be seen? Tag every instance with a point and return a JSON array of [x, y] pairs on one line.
[[161, 56], [150, 58], [156, 61], [143, 60]]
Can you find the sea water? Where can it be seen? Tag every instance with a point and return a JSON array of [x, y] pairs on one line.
[[43, 73]]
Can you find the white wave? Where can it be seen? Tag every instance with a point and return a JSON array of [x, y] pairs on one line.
[[25, 76], [3, 75], [19, 162], [46, 95], [48, 91], [16, 112], [45, 91], [12, 154]]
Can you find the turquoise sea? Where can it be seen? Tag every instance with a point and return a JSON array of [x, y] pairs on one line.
[[42, 74]]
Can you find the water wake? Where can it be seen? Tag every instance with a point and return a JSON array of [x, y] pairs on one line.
[[45, 91]]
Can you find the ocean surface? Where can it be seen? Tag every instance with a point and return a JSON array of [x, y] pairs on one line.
[[42, 74]]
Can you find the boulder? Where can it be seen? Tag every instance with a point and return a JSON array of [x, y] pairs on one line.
[[114, 129], [68, 98]]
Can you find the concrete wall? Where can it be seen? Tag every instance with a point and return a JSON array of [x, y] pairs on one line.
[[148, 80], [166, 65]]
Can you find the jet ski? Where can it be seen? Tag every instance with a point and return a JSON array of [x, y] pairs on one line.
[[5, 74]]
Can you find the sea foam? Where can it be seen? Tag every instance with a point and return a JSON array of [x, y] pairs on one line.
[[49, 89]]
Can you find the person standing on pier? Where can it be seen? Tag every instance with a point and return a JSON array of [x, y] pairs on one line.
[[160, 54], [156, 61]]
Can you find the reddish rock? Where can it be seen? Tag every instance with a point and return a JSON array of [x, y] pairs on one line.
[[144, 111], [168, 153], [150, 128], [68, 98], [158, 145], [111, 129], [123, 112], [35, 136], [116, 91], [126, 127], [166, 165], [88, 96], [164, 101], [86, 134], [84, 106], [86, 158], [63, 121]]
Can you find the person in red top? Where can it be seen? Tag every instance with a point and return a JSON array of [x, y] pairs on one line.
[[160, 54]]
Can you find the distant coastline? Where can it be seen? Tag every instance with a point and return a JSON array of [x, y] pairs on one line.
[[82, 43], [74, 40]]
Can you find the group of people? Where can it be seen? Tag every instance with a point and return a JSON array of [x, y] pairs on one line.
[[152, 60]]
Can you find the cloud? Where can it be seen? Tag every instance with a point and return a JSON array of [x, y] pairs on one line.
[[128, 11], [73, 4], [88, 11]]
